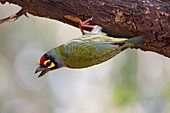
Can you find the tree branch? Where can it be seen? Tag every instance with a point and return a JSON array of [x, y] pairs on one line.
[[119, 18]]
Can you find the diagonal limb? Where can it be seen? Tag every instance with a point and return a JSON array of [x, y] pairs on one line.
[[15, 16]]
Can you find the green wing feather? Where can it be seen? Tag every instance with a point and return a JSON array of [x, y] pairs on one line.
[[92, 50]]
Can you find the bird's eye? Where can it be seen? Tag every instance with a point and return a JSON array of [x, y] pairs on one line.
[[49, 64]]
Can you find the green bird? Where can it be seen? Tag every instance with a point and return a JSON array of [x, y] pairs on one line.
[[87, 50]]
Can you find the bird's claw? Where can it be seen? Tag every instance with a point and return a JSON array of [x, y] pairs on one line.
[[85, 24]]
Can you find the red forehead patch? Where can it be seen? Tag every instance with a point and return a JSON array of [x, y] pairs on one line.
[[42, 60]]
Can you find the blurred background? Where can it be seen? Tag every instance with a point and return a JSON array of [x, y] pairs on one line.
[[132, 82]]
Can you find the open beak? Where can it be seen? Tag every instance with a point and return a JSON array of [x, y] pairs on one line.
[[43, 70]]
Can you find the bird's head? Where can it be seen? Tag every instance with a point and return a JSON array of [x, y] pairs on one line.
[[48, 62]]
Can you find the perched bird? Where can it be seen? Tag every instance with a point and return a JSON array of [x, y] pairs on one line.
[[87, 50]]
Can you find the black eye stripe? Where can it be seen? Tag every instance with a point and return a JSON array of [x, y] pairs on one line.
[[52, 60]]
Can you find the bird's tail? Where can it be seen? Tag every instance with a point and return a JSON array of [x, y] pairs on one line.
[[135, 40]]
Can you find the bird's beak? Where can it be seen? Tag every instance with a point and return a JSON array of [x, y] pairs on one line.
[[43, 70]]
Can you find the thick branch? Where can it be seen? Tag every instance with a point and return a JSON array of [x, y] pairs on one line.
[[120, 18]]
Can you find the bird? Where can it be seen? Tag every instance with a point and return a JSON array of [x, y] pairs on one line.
[[87, 50]]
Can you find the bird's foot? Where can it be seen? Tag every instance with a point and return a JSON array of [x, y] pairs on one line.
[[85, 24], [15, 16]]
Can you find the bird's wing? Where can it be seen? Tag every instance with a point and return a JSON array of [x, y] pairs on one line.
[[101, 45], [102, 37], [76, 45], [93, 42]]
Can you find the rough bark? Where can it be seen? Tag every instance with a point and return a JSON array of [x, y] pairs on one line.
[[119, 18]]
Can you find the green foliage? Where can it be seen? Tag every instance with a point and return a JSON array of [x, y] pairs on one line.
[[124, 94], [125, 89], [166, 93]]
